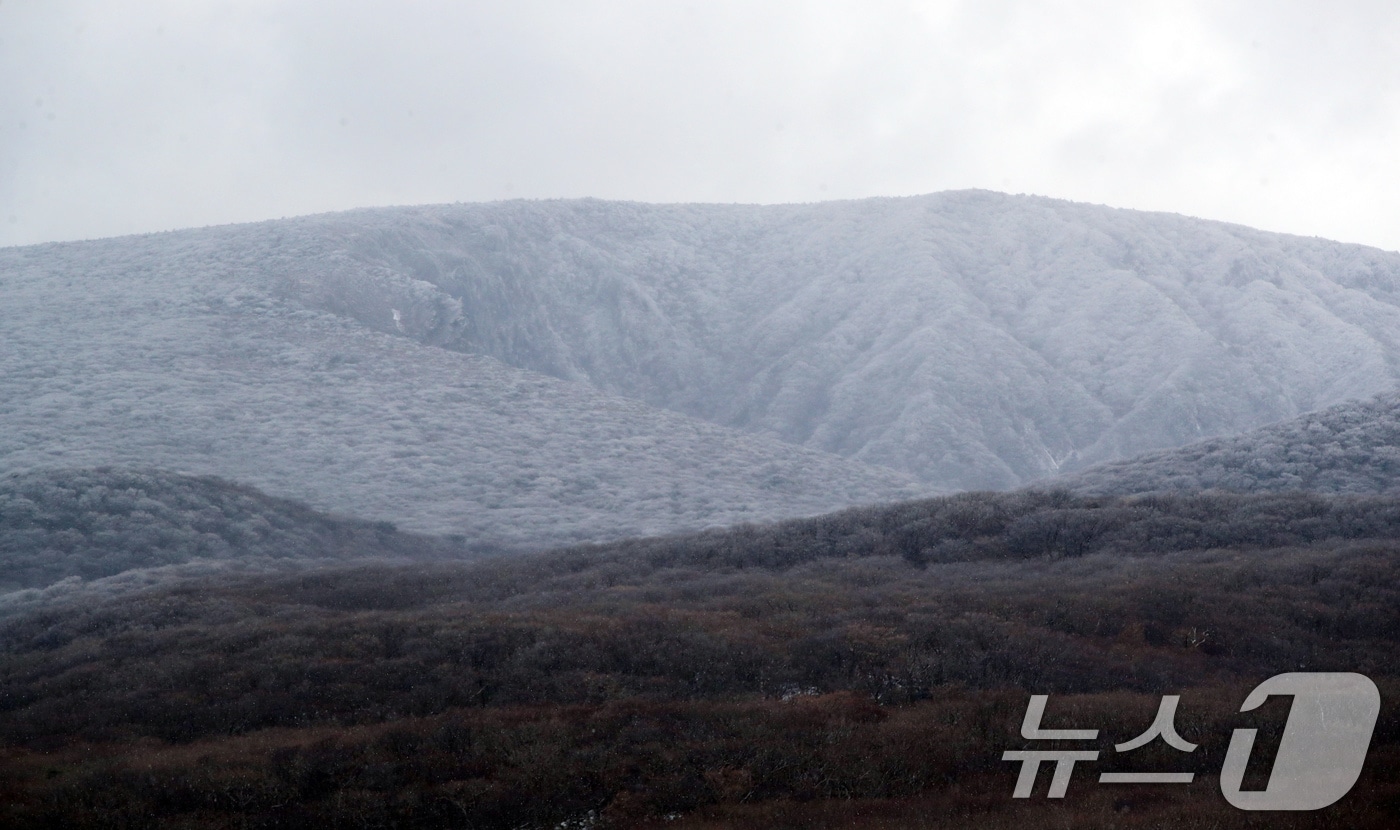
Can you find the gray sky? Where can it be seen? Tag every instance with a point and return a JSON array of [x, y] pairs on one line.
[[122, 117]]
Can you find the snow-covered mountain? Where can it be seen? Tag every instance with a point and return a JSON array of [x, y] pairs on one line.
[[1352, 447], [546, 372], [166, 352], [974, 339]]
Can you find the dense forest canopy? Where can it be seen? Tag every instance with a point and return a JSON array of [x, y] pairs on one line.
[[819, 672], [96, 523], [1352, 447], [89, 524]]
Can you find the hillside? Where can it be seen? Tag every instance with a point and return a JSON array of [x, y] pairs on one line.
[[863, 669], [1349, 448], [974, 339], [163, 352], [541, 373], [90, 524]]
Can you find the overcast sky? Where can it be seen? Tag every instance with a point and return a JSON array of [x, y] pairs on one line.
[[121, 117]]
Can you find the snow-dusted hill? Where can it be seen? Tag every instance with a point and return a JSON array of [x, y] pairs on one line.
[[710, 363], [1353, 447], [974, 339], [91, 524], [165, 351]]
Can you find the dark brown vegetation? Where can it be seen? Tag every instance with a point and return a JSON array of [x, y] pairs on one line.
[[865, 669]]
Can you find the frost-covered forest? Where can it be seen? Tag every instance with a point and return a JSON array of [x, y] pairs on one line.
[[535, 373], [165, 352], [1352, 447], [83, 525], [975, 339]]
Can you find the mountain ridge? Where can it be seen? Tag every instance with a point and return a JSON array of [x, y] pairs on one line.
[[540, 373], [1351, 448], [169, 354], [844, 326]]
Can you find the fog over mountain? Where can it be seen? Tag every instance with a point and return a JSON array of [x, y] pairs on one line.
[[1352, 447], [545, 372]]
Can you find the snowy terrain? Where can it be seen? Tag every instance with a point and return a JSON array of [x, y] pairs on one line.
[[974, 339], [530, 373], [1353, 448], [162, 352]]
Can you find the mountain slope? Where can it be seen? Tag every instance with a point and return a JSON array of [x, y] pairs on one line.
[[392, 363], [162, 351], [92, 524], [973, 339], [1349, 448]]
